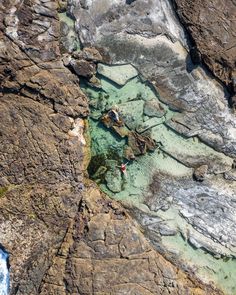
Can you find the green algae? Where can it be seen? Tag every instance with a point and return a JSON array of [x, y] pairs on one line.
[[3, 191], [107, 146]]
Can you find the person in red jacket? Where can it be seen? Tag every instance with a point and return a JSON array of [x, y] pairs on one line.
[[123, 168]]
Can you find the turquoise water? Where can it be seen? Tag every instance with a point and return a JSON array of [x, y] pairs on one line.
[[4, 273], [107, 151]]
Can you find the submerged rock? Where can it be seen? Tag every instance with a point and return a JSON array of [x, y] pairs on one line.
[[131, 112], [113, 177], [118, 74], [153, 108]]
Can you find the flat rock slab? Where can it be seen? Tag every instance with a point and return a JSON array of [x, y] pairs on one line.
[[118, 74], [132, 112]]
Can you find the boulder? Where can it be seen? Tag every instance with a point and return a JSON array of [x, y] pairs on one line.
[[83, 68]]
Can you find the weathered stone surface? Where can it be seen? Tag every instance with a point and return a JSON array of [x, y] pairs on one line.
[[104, 253], [200, 172]]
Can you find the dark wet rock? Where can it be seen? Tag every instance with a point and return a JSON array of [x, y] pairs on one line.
[[152, 108], [83, 68], [140, 144], [200, 172]]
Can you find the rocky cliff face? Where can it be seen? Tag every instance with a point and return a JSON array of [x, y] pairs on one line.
[[212, 27], [63, 235]]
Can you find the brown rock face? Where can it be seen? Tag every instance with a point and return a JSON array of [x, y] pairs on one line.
[[105, 253], [212, 25]]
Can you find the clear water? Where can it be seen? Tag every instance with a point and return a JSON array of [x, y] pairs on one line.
[[106, 147], [4, 273]]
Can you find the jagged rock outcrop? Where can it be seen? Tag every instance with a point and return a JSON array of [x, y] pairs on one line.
[[62, 235]]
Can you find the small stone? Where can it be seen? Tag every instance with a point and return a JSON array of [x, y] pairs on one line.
[[122, 131], [200, 172], [89, 54], [94, 82]]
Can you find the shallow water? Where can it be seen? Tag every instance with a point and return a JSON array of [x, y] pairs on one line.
[[4, 273], [106, 147]]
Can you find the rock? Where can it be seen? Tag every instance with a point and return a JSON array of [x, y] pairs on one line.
[[103, 242], [118, 74], [122, 131], [153, 108], [83, 68], [128, 153], [140, 144], [214, 42], [200, 172], [89, 54], [131, 113], [148, 124], [230, 175], [94, 82], [99, 173], [113, 177], [113, 121], [163, 60]]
